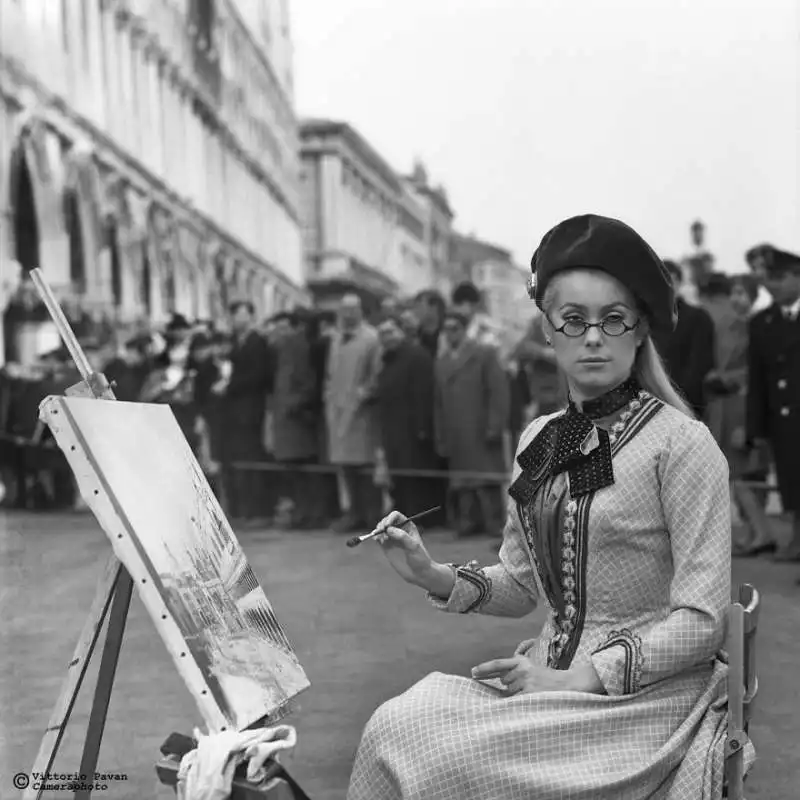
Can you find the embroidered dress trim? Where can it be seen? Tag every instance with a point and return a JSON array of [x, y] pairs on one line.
[[632, 644], [574, 554], [475, 575], [575, 536]]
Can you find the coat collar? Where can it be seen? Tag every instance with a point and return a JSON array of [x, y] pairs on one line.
[[453, 363]]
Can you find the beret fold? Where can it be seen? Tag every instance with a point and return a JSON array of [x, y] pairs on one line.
[[594, 242]]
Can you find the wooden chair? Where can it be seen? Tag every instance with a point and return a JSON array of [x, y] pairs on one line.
[[742, 685]]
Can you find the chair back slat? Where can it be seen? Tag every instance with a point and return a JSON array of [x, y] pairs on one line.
[[742, 684], [750, 600]]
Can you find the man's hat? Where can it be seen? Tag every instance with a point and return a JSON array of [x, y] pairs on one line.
[[771, 260]]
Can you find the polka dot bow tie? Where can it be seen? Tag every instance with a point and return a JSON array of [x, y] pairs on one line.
[[573, 443]]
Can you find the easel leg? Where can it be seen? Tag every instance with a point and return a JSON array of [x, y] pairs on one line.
[[105, 679], [76, 672]]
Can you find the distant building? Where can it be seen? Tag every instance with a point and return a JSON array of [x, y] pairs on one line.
[[149, 155], [358, 219], [365, 227], [438, 227]]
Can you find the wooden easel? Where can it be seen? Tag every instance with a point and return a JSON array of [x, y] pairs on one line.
[[112, 599], [113, 592]]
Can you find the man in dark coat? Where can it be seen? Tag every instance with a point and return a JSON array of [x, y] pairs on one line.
[[471, 412], [130, 369], [688, 352], [295, 418], [405, 411], [429, 307], [773, 397], [244, 395]]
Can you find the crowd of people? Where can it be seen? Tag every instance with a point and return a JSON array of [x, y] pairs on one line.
[[311, 418]]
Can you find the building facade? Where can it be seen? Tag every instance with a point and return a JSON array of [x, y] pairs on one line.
[[438, 218], [502, 283], [366, 228], [148, 157]]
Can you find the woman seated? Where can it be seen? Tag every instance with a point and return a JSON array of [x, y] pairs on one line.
[[619, 522]]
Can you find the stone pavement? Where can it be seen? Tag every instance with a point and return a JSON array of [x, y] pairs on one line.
[[362, 635]]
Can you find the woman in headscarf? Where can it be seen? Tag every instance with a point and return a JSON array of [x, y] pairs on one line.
[[619, 523]]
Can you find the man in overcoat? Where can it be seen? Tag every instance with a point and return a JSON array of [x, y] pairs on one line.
[[244, 401], [773, 397], [471, 413], [405, 410], [688, 351], [354, 363], [295, 439]]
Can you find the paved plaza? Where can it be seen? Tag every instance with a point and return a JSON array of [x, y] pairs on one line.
[[361, 634]]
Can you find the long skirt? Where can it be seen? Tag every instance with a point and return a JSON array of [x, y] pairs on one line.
[[454, 738]]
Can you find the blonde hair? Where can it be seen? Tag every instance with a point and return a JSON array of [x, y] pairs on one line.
[[648, 366], [649, 370]]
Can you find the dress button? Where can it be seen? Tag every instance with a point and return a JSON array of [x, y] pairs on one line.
[[785, 411], [781, 384]]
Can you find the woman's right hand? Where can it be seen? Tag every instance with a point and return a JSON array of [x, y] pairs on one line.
[[404, 549]]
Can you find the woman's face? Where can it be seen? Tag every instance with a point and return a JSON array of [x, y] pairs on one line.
[[740, 300], [595, 361]]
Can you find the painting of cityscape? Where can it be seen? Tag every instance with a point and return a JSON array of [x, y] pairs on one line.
[[138, 474]]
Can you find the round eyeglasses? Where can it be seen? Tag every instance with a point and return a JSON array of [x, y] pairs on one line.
[[612, 326]]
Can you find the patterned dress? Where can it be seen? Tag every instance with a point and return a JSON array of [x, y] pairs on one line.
[[636, 576]]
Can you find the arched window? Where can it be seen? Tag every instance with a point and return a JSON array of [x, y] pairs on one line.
[[26, 225], [116, 265], [77, 250]]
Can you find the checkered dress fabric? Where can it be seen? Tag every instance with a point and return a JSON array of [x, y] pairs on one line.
[[655, 593]]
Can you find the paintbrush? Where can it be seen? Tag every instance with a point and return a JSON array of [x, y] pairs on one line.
[[356, 540]]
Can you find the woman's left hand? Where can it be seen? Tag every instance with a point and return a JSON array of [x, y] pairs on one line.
[[521, 676]]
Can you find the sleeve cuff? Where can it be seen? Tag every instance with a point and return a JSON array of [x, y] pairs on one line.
[[618, 663], [471, 590]]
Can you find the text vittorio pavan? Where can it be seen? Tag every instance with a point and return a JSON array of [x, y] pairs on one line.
[[70, 781]]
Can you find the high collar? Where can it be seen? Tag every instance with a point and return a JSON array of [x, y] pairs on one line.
[[610, 402]]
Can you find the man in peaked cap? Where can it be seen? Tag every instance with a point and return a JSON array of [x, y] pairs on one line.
[[773, 398]]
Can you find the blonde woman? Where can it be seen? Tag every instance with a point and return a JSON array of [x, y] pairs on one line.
[[619, 524]]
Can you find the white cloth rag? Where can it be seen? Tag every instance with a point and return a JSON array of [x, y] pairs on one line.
[[206, 773]]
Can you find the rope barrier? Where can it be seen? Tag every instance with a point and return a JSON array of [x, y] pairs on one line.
[[489, 477]]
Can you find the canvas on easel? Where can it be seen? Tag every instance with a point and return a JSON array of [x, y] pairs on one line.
[[141, 480]]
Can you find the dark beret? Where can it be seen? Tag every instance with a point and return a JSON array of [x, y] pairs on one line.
[[595, 242]]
